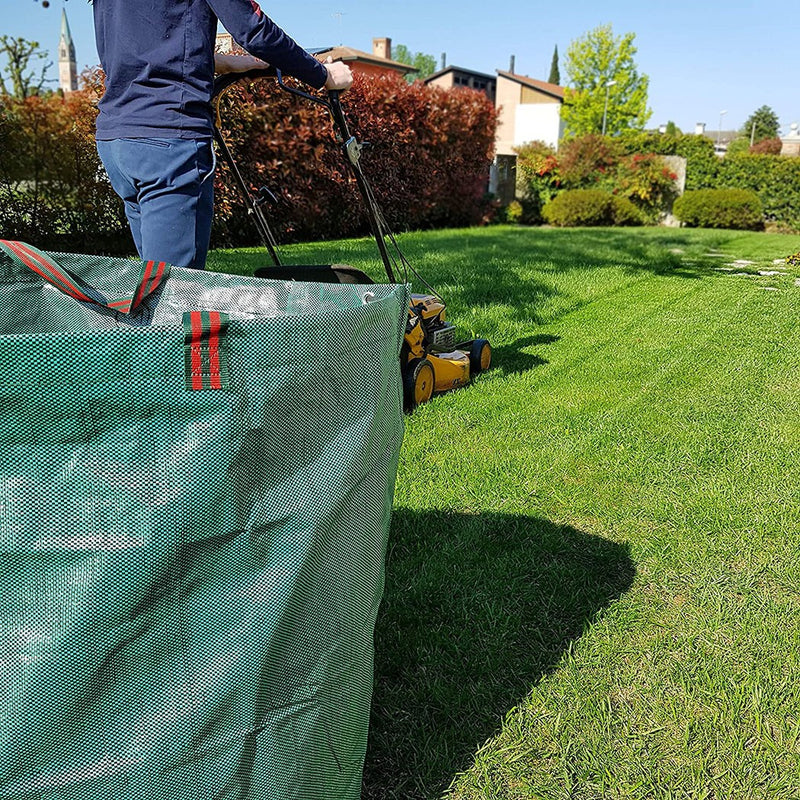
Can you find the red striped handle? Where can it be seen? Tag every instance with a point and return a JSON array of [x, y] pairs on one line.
[[151, 275]]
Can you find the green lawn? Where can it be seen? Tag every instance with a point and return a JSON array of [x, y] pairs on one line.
[[593, 578]]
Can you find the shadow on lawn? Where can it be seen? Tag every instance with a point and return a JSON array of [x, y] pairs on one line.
[[513, 358], [477, 609]]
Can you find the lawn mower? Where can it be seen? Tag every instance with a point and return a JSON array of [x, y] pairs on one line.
[[432, 359]]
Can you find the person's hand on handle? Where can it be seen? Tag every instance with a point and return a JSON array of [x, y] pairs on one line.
[[340, 78], [232, 62]]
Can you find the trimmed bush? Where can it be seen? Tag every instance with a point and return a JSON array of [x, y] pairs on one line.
[[738, 209], [53, 190], [626, 213], [428, 159], [428, 162], [590, 207]]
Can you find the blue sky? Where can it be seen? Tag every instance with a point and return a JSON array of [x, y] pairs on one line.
[[702, 57]]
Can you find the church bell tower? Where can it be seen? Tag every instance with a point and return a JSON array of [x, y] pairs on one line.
[[67, 66]]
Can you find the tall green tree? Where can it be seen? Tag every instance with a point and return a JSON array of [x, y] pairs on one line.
[[423, 63], [555, 74], [602, 77], [24, 74], [766, 125]]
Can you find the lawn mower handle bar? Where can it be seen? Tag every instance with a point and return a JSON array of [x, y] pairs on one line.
[[350, 147]]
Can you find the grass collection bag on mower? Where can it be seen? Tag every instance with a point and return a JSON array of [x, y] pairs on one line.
[[432, 358]]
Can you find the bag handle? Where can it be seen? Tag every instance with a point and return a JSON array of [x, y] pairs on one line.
[[151, 276]]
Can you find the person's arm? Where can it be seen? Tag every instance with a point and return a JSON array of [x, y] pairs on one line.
[[234, 62], [259, 35]]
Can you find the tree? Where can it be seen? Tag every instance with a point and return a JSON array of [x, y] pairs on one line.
[[741, 144], [555, 75], [423, 63], [765, 121], [20, 70], [600, 68]]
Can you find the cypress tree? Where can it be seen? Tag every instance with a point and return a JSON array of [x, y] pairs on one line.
[[555, 75]]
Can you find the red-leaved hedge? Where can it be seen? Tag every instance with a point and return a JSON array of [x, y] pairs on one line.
[[428, 163], [53, 191], [427, 158]]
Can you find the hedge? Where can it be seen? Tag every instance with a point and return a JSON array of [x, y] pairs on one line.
[[739, 209], [428, 158], [52, 187], [775, 178], [590, 207], [428, 161]]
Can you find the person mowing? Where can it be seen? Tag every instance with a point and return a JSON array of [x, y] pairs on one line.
[[154, 129]]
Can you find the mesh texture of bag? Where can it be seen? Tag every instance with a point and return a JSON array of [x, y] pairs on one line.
[[192, 555]]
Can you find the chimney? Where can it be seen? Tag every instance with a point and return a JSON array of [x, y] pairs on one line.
[[444, 60], [382, 48], [699, 129], [511, 65]]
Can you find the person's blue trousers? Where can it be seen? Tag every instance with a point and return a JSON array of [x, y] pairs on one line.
[[168, 189]]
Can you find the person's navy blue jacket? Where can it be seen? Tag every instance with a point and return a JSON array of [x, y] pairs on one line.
[[158, 56]]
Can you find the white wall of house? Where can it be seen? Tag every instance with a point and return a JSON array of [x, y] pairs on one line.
[[540, 121]]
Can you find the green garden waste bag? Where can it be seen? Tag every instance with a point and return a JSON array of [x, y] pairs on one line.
[[196, 479]]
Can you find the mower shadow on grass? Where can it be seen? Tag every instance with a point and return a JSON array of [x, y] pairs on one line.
[[512, 357], [477, 610]]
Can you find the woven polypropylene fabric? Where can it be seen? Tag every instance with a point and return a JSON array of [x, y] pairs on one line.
[[190, 579]]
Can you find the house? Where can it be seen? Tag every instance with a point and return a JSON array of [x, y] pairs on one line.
[[458, 77], [378, 62], [529, 109]]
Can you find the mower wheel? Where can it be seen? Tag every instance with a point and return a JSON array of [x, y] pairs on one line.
[[418, 383], [480, 356]]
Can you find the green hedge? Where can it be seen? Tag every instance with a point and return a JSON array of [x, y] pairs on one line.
[[775, 179], [590, 207], [739, 209]]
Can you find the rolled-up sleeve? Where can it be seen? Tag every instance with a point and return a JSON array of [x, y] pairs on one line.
[[261, 37]]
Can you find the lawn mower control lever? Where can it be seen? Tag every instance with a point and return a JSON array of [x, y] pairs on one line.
[[292, 90]]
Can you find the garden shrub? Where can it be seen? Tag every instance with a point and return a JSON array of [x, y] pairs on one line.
[[428, 158], [738, 209], [590, 207], [53, 191], [588, 161], [645, 180], [512, 213], [624, 212], [767, 147], [537, 177], [428, 163], [737, 146]]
